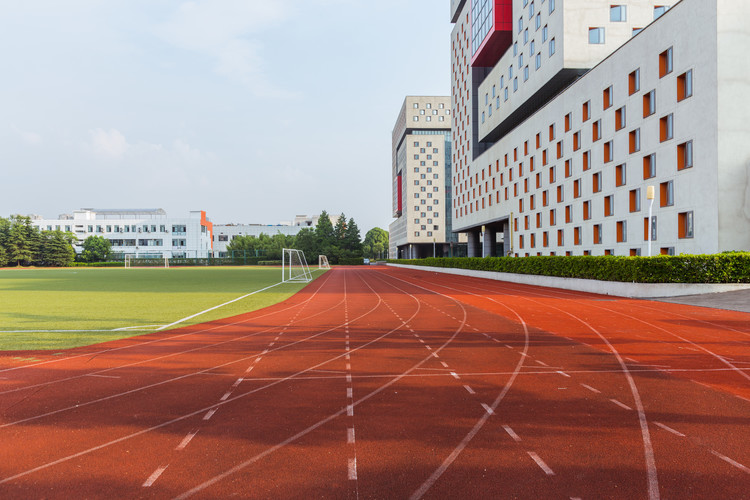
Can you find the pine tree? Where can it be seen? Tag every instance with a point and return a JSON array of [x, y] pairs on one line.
[[352, 241]]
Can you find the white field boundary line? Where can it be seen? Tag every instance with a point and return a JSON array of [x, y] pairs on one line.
[[652, 478], [250, 392], [140, 344]]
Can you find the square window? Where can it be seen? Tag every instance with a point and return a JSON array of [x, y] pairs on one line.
[[666, 128], [649, 166], [635, 200], [685, 225], [685, 85], [649, 103], [618, 13], [607, 97], [596, 36], [635, 140], [666, 194]]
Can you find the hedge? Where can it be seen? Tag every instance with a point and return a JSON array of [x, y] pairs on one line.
[[98, 264], [719, 268], [351, 261]]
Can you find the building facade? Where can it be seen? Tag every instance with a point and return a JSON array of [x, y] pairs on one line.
[[567, 112], [142, 233], [421, 169], [225, 233]]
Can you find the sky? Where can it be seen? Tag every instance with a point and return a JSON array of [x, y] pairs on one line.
[[252, 110]]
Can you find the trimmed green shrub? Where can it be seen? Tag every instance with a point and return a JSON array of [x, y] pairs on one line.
[[269, 263], [719, 268], [351, 261]]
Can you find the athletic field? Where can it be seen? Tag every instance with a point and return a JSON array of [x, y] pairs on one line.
[[63, 308]]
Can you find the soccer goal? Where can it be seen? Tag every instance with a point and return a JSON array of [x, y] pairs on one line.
[[323, 262], [132, 261], [294, 266]]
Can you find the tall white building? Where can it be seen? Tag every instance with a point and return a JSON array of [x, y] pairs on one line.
[[144, 233], [565, 112], [421, 170]]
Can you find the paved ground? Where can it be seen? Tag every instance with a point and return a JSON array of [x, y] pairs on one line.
[[732, 301], [390, 383]]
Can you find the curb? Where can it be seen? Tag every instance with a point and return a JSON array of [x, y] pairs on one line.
[[617, 288]]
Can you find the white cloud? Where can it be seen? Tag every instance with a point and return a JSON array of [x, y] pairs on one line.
[[30, 138], [227, 31], [110, 144]]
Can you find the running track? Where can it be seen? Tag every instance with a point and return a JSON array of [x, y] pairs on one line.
[[389, 383]]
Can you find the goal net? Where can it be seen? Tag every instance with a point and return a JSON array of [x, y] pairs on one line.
[[323, 262], [146, 261], [294, 266]]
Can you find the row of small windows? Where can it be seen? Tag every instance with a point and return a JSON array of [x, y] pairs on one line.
[[135, 228], [417, 233], [429, 106], [145, 243], [429, 118]]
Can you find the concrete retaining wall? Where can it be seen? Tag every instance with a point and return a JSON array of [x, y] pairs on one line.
[[620, 289]]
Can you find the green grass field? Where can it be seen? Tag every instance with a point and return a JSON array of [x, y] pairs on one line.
[[64, 308]]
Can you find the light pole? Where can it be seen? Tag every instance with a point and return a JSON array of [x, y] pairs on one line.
[[484, 236], [650, 197]]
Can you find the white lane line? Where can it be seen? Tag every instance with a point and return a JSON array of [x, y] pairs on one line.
[[541, 362], [352, 468], [509, 347], [264, 352], [488, 409], [455, 375], [153, 477], [349, 392], [445, 365], [349, 378], [249, 369], [669, 429], [100, 376], [350, 435], [469, 389], [512, 433], [348, 357], [186, 441], [237, 382], [562, 373], [350, 410], [226, 395], [731, 462], [435, 355], [495, 340], [575, 498], [621, 405], [210, 414], [421, 340], [257, 360], [541, 463], [428, 348], [348, 366], [595, 391]]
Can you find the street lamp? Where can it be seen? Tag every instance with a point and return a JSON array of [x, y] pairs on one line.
[[649, 196]]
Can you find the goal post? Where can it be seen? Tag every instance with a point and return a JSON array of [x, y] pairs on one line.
[[294, 266], [131, 260], [323, 262]]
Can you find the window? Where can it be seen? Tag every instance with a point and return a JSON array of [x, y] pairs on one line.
[[596, 181], [560, 194], [596, 36], [585, 110], [653, 228], [520, 24], [577, 235], [659, 10], [622, 231], [568, 214], [577, 188], [666, 194], [609, 206], [538, 21], [586, 210], [553, 217], [685, 85], [597, 234], [538, 60], [525, 73], [515, 84], [649, 103], [568, 168], [618, 13], [551, 47], [577, 141], [586, 160], [635, 200], [649, 166], [666, 128], [635, 140], [685, 155], [545, 33], [526, 36], [685, 225], [607, 97], [567, 122], [665, 62], [620, 118], [634, 82], [416, 105], [551, 6], [560, 237], [596, 130]]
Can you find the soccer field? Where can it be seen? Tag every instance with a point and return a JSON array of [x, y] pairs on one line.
[[63, 308]]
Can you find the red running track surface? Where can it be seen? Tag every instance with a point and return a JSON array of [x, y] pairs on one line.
[[389, 383]]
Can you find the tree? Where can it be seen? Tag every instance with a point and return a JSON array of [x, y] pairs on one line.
[[56, 249], [21, 239], [376, 243], [352, 239], [307, 242], [3, 257], [96, 249]]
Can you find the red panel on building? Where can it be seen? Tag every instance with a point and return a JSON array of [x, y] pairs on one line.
[[499, 38], [400, 208]]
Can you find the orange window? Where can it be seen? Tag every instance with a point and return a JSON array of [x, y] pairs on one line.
[[622, 231], [559, 194], [586, 160], [685, 155], [577, 141], [545, 239], [568, 214], [585, 110], [560, 237], [586, 210], [568, 168], [665, 62], [620, 178], [567, 122], [634, 82], [607, 97], [577, 188], [577, 235]]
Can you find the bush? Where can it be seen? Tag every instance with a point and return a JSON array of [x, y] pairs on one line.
[[97, 264], [269, 263], [351, 261], [719, 268]]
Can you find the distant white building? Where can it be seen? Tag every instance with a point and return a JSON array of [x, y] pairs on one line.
[[225, 233], [144, 233]]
